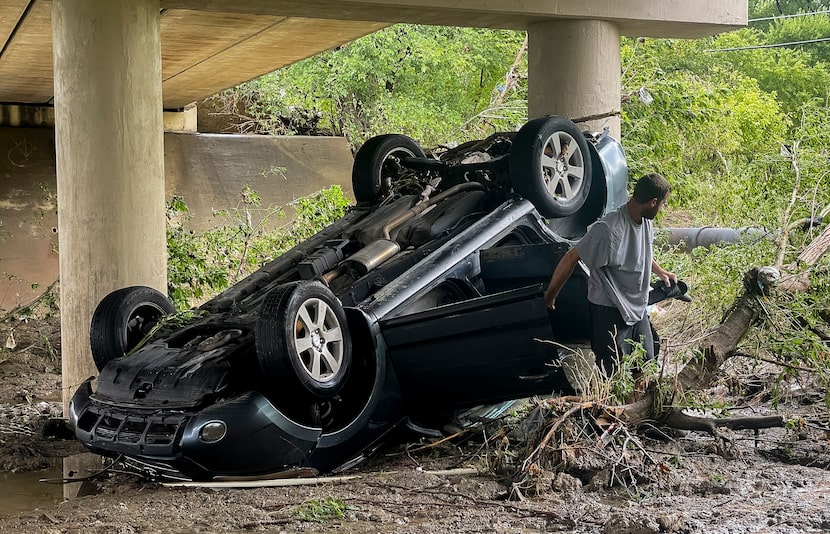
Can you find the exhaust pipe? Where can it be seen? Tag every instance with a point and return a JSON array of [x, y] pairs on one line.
[[381, 250]]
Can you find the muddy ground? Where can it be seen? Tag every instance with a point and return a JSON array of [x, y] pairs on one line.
[[773, 481]]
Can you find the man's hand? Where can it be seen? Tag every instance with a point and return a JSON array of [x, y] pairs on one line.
[[668, 277], [550, 300], [563, 271]]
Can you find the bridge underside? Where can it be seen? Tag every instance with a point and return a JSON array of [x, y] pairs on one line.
[[207, 46]]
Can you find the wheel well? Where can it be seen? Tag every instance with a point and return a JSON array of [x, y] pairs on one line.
[[364, 370], [362, 339]]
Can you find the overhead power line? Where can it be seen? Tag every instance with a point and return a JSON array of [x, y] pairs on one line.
[[790, 16], [778, 45], [773, 45]]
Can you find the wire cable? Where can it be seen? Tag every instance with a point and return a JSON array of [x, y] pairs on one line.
[[772, 45], [790, 16]]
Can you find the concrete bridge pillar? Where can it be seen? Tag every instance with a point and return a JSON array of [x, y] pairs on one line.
[[110, 170], [574, 70]]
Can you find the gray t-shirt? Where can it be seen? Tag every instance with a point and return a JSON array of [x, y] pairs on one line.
[[618, 253]]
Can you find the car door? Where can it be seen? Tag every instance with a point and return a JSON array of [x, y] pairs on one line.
[[479, 351]]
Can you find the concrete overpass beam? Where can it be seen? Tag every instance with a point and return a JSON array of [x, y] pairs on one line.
[[574, 70], [110, 170]]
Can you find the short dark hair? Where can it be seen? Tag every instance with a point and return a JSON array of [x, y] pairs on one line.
[[651, 186]]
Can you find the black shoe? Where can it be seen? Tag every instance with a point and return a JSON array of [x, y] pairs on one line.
[[660, 292]]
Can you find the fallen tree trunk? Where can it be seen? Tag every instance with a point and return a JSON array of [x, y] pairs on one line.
[[794, 281], [720, 344], [815, 250]]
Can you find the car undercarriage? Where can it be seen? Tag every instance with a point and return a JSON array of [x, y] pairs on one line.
[[423, 300]]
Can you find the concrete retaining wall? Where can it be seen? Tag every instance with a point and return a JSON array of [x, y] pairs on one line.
[[208, 170]]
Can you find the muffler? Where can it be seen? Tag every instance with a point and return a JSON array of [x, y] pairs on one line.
[[373, 255], [381, 250]]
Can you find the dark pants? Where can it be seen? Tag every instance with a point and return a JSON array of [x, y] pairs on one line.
[[610, 336]]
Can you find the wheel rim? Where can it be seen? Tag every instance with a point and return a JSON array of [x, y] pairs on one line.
[[390, 164], [318, 339], [140, 322], [563, 166]]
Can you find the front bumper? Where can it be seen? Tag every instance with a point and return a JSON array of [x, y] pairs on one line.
[[259, 439]]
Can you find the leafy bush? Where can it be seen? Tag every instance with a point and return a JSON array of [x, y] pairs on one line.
[[200, 264], [704, 133], [432, 82], [191, 268]]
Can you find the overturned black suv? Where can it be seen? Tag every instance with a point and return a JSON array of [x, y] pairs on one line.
[[424, 299]]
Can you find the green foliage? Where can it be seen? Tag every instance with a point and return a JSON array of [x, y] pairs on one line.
[[711, 124], [190, 267], [426, 81], [631, 369], [315, 212], [772, 8], [793, 328], [321, 511], [793, 75], [704, 133], [200, 264], [715, 274]]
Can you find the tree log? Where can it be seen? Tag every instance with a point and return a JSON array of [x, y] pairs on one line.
[[797, 282], [815, 250], [720, 344]]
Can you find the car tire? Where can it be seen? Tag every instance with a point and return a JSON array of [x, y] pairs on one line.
[[557, 186], [123, 319], [376, 165], [302, 340]]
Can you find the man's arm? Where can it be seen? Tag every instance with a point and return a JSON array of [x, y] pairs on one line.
[[563, 271], [668, 277]]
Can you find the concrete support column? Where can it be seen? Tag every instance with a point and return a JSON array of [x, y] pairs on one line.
[[574, 70], [110, 161]]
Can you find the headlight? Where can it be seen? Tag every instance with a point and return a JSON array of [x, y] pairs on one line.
[[212, 432]]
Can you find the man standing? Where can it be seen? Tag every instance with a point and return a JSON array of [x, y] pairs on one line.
[[618, 252]]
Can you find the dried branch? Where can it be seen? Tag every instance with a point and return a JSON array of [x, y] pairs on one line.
[[534, 456], [783, 236], [510, 78]]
